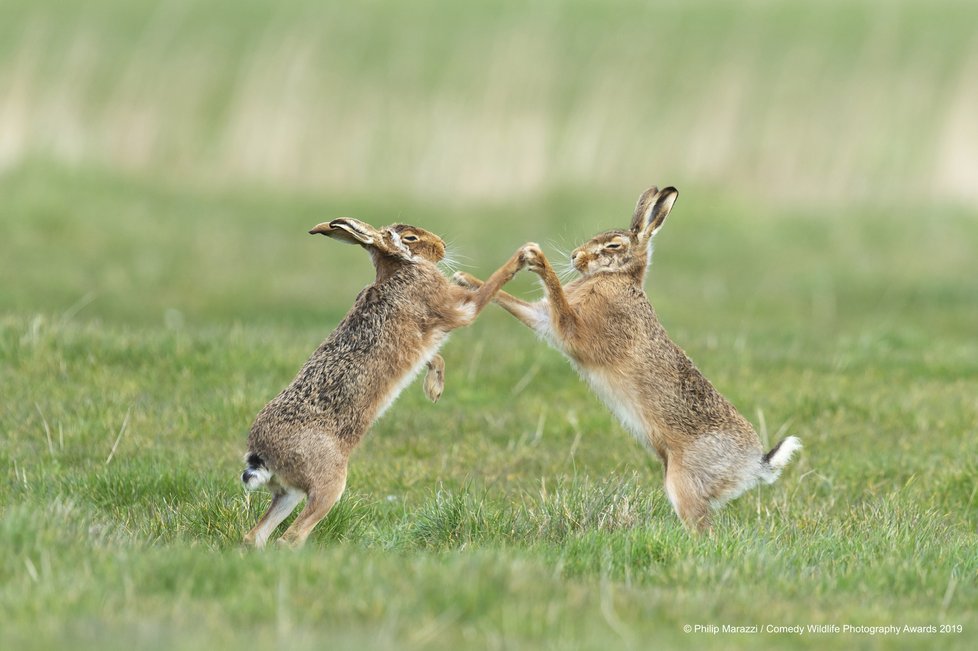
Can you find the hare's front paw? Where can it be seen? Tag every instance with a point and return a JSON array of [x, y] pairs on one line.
[[533, 257], [434, 384], [465, 280]]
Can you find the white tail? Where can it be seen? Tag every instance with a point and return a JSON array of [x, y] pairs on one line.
[[779, 457], [256, 474]]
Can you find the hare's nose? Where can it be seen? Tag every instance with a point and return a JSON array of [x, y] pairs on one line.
[[575, 255]]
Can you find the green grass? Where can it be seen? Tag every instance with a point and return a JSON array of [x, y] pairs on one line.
[[160, 164], [145, 324]]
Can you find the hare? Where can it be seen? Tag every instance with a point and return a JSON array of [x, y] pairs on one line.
[[300, 443], [603, 322]]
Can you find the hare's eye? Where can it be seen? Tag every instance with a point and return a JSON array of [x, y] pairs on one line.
[[613, 245], [410, 238]]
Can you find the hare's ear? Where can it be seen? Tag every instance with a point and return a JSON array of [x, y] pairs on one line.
[[351, 231], [658, 210], [335, 233], [642, 209]]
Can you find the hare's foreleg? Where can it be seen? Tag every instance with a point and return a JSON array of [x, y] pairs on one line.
[[434, 379], [321, 499], [562, 314], [284, 501], [485, 293], [528, 313], [533, 315]]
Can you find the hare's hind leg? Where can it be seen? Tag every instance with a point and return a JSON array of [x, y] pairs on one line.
[[322, 497], [284, 501], [686, 495]]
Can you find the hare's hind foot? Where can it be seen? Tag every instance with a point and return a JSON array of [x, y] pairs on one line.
[[321, 500], [284, 501]]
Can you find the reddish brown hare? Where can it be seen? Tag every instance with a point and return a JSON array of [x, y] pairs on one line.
[[604, 324], [300, 443]]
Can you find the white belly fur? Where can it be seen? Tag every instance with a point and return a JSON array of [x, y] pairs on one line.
[[408, 377], [615, 397]]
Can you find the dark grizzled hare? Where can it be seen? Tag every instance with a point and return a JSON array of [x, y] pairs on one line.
[[300, 443], [604, 324]]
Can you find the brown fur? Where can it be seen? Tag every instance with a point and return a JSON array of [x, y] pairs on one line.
[[304, 437], [606, 326]]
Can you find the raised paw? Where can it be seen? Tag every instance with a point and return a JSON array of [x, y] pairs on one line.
[[468, 281], [434, 379], [533, 257]]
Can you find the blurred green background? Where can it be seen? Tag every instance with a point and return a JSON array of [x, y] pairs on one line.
[[160, 164], [151, 148], [803, 101]]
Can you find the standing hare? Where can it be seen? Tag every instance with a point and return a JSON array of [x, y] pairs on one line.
[[300, 443], [604, 324]]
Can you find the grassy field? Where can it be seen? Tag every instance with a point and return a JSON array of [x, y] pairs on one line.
[[513, 514], [159, 169]]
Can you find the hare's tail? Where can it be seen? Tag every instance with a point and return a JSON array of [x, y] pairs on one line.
[[256, 474], [778, 457]]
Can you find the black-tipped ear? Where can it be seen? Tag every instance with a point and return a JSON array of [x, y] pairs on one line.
[[642, 209], [350, 231], [661, 205], [335, 233]]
